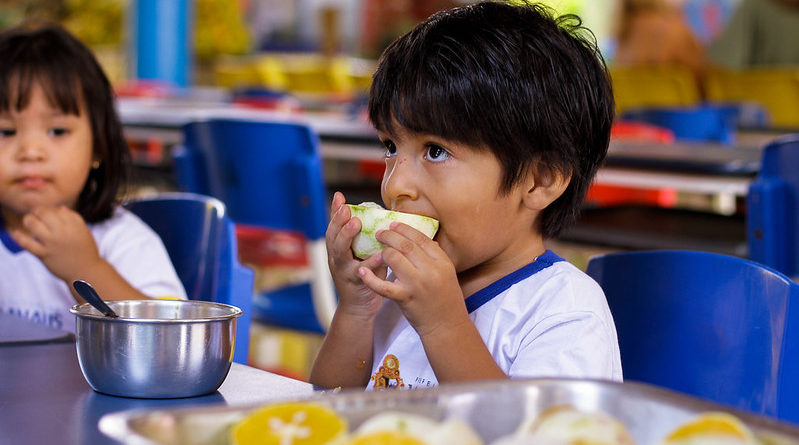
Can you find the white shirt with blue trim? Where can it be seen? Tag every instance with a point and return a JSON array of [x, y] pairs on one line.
[[547, 319], [29, 290]]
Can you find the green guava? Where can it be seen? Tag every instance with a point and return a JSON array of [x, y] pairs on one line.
[[374, 218]]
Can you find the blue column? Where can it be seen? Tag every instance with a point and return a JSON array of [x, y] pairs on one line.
[[161, 40]]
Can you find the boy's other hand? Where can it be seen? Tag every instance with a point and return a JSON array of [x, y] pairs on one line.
[[426, 285], [354, 297], [61, 239]]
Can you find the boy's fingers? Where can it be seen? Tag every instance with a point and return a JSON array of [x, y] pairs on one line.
[[335, 205], [374, 261], [337, 222], [376, 264], [402, 265], [342, 239], [396, 241], [397, 244], [421, 240], [400, 254], [377, 285]]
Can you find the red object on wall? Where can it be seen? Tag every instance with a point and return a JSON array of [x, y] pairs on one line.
[[372, 169], [269, 247], [606, 195], [638, 131]]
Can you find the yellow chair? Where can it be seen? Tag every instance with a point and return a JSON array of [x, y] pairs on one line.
[[271, 72], [235, 71], [304, 73], [776, 89], [360, 73], [314, 74], [653, 86]]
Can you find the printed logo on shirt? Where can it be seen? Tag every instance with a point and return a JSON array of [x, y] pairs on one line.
[[52, 319], [388, 375], [420, 381]]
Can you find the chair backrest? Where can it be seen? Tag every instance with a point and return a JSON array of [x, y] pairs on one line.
[[772, 207], [653, 86], [268, 174], [700, 123], [201, 243], [710, 325], [776, 89]]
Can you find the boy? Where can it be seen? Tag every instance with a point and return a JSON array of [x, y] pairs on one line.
[[495, 119]]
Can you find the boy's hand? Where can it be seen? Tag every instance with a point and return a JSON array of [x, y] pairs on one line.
[[60, 238], [354, 297], [426, 285]]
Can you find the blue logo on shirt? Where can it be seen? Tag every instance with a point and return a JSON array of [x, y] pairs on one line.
[[52, 319]]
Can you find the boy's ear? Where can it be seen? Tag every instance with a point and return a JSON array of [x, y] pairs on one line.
[[544, 188]]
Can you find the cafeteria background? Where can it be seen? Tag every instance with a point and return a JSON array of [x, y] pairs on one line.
[[315, 57]]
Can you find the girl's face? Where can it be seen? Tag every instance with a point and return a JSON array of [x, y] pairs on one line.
[[480, 230], [45, 157]]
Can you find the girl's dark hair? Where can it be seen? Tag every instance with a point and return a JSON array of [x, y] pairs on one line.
[[70, 76], [515, 80]]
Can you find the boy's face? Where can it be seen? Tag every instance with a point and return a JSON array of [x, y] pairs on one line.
[[45, 157], [458, 185]]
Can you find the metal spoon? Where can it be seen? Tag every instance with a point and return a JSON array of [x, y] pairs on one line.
[[88, 293]]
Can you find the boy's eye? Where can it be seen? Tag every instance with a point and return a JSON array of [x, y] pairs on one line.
[[58, 131], [437, 153], [391, 149], [7, 132]]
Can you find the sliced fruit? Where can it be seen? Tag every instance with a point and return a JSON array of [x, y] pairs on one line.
[[386, 438], [712, 425], [296, 423], [375, 218]]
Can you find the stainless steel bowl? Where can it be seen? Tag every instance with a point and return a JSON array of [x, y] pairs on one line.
[[156, 348]]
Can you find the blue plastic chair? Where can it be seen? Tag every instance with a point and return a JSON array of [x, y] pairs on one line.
[[268, 174], [201, 243], [701, 123], [772, 206], [711, 325]]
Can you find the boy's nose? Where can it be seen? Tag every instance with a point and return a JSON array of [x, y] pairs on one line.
[[398, 181]]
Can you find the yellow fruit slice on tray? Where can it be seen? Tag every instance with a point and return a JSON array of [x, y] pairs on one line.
[[401, 428], [386, 438], [296, 423], [717, 427]]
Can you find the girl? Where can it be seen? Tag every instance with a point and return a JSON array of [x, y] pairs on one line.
[[63, 160]]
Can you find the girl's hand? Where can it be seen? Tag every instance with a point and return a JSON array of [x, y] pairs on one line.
[[60, 238], [354, 297], [426, 285]]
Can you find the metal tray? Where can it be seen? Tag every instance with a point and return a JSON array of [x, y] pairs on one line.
[[493, 409]]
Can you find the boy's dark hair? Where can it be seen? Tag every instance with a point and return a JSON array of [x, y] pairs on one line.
[[531, 88], [69, 75]]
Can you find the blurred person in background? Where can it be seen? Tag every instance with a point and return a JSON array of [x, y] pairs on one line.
[[760, 33], [655, 32], [385, 21]]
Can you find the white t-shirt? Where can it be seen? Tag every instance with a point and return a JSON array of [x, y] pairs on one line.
[[29, 290], [547, 319]]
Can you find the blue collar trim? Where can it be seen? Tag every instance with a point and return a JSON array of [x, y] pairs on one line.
[[486, 294], [6, 239]]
